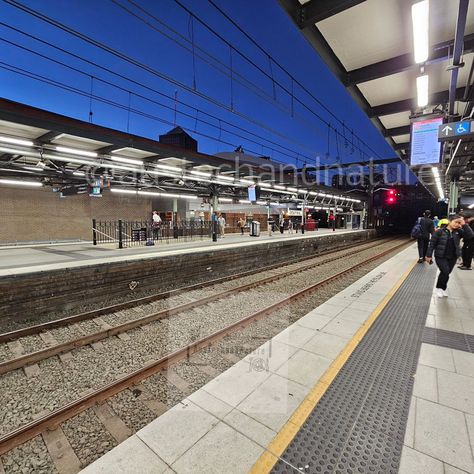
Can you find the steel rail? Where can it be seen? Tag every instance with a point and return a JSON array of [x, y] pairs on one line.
[[33, 330], [55, 418], [42, 354]]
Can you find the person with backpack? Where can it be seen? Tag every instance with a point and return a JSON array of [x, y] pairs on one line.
[[445, 244], [423, 230]]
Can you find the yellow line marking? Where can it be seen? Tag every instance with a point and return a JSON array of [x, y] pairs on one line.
[[280, 442]]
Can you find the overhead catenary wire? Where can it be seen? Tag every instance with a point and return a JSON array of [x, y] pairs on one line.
[[138, 64], [174, 99], [126, 108], [206, 25], [262, 71]]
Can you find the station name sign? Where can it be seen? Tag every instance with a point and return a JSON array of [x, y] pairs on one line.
[[453, 130]]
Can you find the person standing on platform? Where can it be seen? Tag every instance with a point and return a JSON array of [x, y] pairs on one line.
[[445, 244], [332, 221], [241, 225], [156, 224], [221, 222], [290, 226], [427, 228], [468, 247], [282, 223], [436, 222]]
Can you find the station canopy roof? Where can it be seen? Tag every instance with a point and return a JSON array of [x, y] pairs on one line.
[[48, 149], [368, 45]]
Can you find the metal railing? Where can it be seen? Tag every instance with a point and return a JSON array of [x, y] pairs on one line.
[[136, 233]]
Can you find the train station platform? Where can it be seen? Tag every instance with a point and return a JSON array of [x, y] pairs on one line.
[[43, 257], [380, 378], [54, 280]]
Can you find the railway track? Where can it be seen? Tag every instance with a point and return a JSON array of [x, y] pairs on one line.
[[98, 395], [51, 348], [84, 316]]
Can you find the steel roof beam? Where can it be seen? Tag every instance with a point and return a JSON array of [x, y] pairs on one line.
[[439, 52], [402, 146], [457, 52], [393, 132], [315, 11], [410, 104], [48, 137]]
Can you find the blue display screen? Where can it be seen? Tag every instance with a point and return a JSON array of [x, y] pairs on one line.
[[252, 193]]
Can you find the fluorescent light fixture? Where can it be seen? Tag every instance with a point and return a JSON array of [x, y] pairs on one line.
[[471, 206], [277, 186], [302, 191], [264, 185], [123, 191], [261, 203], [225, 200], [435, 171], [225, 178], [420, 13], [130, 161], [15, 182], [225, 183], [243, 201], [78, 173], [17, 151], [31, 168], [16, 141], [152, 193], [74, 151], [170, 195], [246, 181], [313, 193], [422, 90], [200, 173], [169, 168], [293, 190]]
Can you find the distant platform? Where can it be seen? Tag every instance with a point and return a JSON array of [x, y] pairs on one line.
[[44, 257]]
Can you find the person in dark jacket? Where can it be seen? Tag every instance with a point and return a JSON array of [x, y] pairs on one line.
[[468, 247], [445, 244], [427, 230]]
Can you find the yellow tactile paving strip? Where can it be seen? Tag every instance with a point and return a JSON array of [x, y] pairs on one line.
[[281, 441]]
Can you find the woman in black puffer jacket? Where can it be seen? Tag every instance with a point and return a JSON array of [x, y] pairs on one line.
[[445, 243]]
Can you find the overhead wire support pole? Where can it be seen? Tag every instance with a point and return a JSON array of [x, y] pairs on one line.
[[457, 52]]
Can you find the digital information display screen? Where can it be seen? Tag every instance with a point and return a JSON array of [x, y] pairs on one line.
[[254, 193], [425, 147]]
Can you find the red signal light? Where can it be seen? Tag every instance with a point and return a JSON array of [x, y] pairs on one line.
[[391, 199]]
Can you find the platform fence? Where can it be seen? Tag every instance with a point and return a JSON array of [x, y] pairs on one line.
[[139, 233]]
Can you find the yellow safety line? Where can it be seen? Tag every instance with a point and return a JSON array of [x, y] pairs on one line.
[[281, 441]]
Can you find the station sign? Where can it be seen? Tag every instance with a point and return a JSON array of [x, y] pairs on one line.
[[451, 131]]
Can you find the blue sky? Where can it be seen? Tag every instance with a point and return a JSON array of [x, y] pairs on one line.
[[270, 122]]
